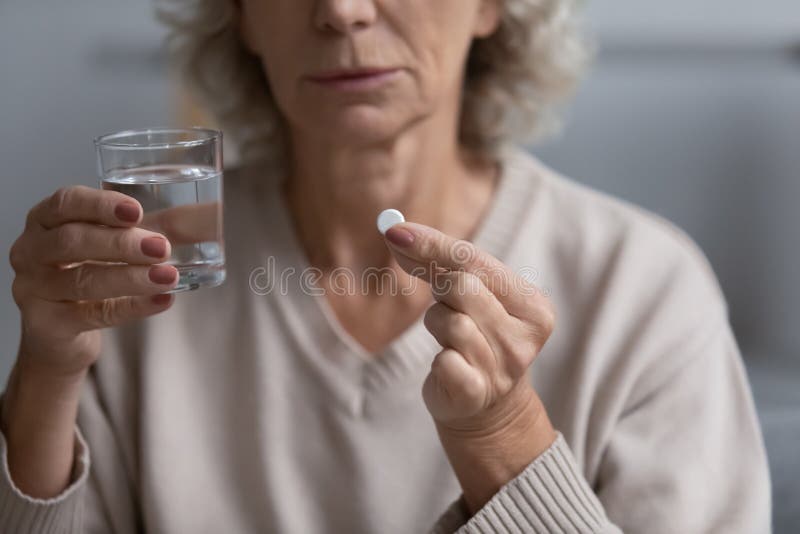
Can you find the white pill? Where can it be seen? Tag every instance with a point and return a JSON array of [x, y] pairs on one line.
[[389, 218]]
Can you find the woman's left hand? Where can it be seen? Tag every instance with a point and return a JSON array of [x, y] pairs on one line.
[[491, 323]]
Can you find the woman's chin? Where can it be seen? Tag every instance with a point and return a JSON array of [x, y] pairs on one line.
[[360, 125]]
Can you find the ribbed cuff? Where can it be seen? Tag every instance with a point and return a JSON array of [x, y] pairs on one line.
[[550, 495], [22, 514], [453, 518]]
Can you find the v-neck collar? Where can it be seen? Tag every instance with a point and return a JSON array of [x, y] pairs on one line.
[[352, 371]]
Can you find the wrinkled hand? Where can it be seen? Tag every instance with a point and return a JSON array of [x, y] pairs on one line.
[[491, 324], [81, 264], [490, 321]]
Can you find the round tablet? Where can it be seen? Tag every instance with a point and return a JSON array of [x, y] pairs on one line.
[[389, 218]]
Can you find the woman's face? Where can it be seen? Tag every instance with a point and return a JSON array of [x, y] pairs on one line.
[[425, 42]]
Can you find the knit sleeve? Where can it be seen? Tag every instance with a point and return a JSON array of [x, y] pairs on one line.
[[23, 514], [550, 495], [686, 457], [101, 497]]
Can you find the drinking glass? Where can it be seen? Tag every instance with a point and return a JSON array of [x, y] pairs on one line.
[[176, 175]]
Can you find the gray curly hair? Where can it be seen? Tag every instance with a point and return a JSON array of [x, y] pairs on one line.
[[515, 79]]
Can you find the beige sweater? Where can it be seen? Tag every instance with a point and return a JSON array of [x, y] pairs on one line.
[[247, 408]]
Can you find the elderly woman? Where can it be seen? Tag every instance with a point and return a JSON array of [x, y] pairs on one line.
[[279, 403]]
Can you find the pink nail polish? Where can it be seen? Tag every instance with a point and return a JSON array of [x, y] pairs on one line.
[[127, 212], [155, 247], [161, 299], [162, 274]]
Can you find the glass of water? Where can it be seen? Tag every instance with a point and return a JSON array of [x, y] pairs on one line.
[[176, 175]]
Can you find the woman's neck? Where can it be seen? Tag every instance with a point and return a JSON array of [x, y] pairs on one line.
[[335, 191]]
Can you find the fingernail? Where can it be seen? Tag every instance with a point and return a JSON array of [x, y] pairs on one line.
[[127, 212], [161, 299], [155, 247], [162, 274], [399, 236]]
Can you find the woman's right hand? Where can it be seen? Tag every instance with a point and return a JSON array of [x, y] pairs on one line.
[[81, 264]]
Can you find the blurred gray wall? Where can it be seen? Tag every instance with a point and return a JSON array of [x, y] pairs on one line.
[[69, 71], [691, 110]]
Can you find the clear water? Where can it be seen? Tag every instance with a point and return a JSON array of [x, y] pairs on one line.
[[185, 204]]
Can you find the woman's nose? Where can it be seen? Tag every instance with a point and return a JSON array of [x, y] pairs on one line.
[[344, 16]]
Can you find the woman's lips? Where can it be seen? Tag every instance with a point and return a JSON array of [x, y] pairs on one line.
[[355, 80]]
